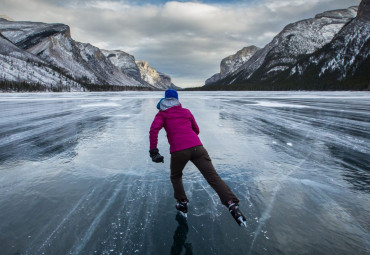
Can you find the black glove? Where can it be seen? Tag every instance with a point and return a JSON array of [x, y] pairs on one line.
[[156, 157]]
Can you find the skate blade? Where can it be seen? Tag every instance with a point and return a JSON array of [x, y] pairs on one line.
[[185, 215]]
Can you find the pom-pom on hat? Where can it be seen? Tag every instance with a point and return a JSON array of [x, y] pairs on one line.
[[171, 93]]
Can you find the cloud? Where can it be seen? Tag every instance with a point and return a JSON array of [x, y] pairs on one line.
[[186, 40], [103, 5]]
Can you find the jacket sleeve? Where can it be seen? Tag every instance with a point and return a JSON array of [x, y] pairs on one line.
[[194, 124], [156, 126]]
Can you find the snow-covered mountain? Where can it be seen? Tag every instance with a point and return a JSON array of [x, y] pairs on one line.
[[152, 76], [344, 63], [18, 65], [53, 46], [295, 42], [232, 63]]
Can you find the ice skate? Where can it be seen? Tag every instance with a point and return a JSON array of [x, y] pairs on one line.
[[182, 207], [236, 213]]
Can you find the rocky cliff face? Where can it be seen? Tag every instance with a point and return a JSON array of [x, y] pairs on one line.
[[364, 11], [153, 77], [125, 62], [232, 63], [52, 46], [213, 79], [296, 41]]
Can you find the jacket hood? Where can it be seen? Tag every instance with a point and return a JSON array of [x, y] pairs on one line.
[[166, 103]]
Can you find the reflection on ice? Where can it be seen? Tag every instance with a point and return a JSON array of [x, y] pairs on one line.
[[179, 237]]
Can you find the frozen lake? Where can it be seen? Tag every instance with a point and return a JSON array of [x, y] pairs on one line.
[[76, 176]]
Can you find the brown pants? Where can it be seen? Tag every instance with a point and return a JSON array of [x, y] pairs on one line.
[[200, 158]]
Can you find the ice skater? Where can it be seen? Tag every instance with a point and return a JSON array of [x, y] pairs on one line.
[[182, 134]]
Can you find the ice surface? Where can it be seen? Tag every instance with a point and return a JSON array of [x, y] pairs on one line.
[[76, 177]]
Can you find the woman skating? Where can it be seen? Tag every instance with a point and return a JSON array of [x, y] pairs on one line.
[[185, 145]]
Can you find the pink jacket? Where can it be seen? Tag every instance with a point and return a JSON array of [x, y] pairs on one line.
[[181, 128]]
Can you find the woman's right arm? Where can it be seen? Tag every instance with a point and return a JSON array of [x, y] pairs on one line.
[[194, 124], [156, 126]]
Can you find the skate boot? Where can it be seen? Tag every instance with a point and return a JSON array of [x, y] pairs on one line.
[[182, 207], [236, 213]]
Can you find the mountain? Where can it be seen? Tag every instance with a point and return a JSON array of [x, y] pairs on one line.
[[232, 63], [6, 18], [344, 63], [152, 76], [268, 67], [18, 65], [52, 46]]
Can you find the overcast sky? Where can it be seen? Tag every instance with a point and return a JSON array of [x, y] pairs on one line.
[[184, 39]]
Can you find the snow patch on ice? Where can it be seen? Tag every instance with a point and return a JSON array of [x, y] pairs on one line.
[[100, 105], [119, 115], [275, 104]]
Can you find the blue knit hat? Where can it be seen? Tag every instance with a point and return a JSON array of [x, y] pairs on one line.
[[171, 93]]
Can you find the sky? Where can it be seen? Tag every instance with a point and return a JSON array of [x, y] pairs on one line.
[[184, 39]]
